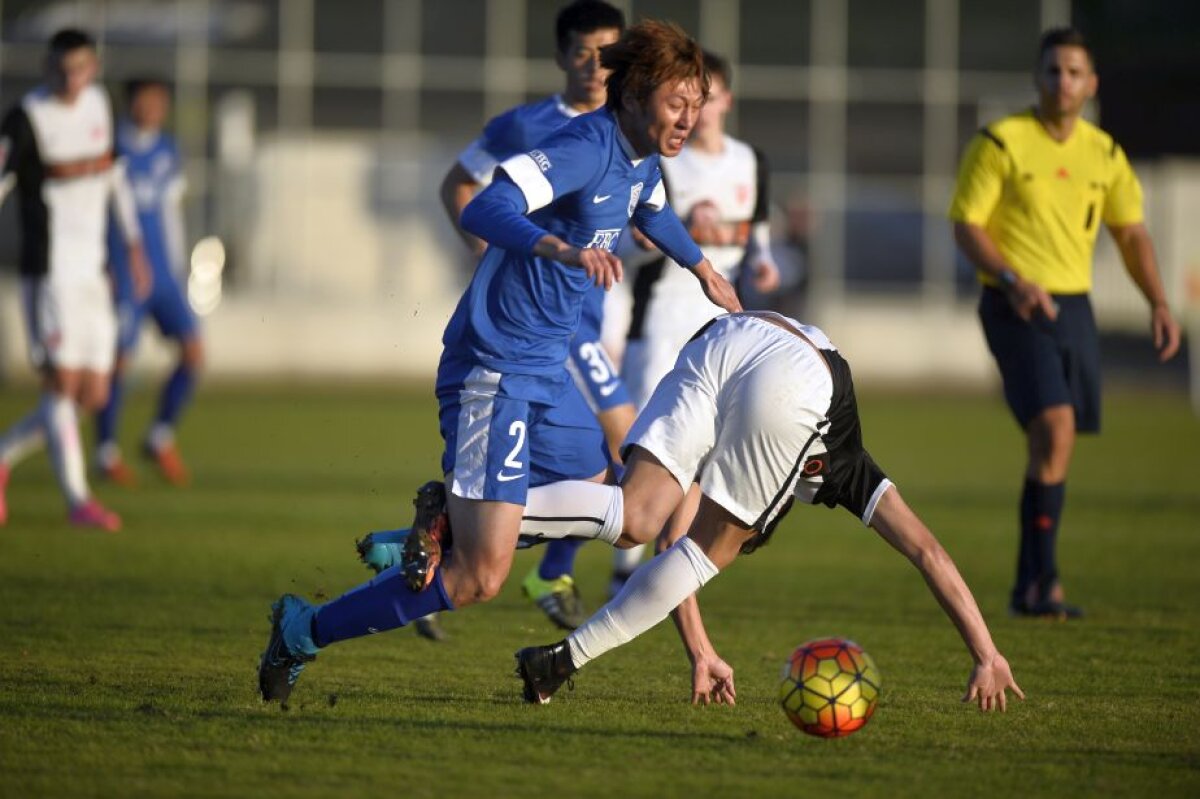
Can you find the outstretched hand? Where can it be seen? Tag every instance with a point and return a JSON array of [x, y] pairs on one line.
[[988, 683], [718, 290], [712, 682]]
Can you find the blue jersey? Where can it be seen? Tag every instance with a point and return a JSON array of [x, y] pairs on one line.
[[518, 130], [153, 167], [518, 315]]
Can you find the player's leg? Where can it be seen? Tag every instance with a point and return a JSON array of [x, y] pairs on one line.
[[176, 321], [566, 444], [1029, 356], [109, 461]]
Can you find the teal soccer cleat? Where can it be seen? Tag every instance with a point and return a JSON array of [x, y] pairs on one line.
[[381, 550], [289, 648]]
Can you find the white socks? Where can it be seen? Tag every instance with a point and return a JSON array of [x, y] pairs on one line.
[[648, 597], [574, 509], [625, 561], [66, 452]]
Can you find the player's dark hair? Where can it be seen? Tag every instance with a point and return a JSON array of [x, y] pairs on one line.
[[648, 55], [68, 39], [586, 16], [1064, 37], [135, 85], [718, 66]]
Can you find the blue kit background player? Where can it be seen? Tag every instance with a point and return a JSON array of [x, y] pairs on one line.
[[154, 168], [510, 421], [581, 30]]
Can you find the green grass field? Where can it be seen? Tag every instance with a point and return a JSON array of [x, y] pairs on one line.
[[127, 661]]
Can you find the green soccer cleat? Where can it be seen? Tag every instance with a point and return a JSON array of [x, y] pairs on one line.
[[289, 648], [558, 598], [542, 671]]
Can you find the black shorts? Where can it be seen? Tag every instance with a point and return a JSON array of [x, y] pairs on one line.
[[1044, 363]]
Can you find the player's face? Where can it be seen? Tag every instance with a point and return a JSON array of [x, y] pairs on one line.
[[581, 62], [663, 123], [149, 107], [1065, 81], [712, 116], [72, 72]]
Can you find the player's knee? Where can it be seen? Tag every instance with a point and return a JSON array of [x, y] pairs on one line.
[[192, 354], [642, 525]]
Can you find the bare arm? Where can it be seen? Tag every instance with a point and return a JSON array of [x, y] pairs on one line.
[[458, 188], [720, 536], [1026, 297], [1137, 252], [901, 528]]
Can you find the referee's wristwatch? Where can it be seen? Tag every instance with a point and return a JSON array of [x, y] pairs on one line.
[[1008, 279]]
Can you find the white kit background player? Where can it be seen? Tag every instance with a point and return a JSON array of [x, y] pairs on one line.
[[56, 154], [719, 186]]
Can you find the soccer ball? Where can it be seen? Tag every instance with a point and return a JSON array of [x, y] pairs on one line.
[[830, 687]]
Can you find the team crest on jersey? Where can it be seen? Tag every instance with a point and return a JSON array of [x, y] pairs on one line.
[[540, 159], [634, 194], [605, 239]]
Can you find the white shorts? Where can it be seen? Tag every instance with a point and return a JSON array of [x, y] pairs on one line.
[[758, 416], [70, 324]]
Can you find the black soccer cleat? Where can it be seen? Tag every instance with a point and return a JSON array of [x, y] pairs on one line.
[[543, 670], [430, 627], [280, 667], [430, 536]]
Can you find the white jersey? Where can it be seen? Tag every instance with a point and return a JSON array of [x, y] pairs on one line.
[[760, 409], [64, 216], [730, 188]]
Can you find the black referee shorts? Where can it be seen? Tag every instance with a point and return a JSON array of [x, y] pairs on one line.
[[1044, 363]]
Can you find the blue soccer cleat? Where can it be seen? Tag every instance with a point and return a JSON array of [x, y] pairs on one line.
[[289, 648]]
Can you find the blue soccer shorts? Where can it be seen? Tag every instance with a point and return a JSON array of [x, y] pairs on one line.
[[499, 446]]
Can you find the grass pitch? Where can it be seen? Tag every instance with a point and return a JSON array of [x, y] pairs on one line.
[[127, 662]]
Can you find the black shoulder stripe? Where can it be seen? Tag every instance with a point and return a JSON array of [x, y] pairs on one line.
[[996, 140]]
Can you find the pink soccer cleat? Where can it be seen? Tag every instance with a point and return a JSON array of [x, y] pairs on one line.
[[92, 514]]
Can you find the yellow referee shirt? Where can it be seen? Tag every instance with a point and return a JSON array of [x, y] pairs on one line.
[[1042, 201]]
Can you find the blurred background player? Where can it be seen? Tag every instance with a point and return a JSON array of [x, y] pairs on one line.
[[56, 147], [551, 218], [581, 29], [719, 185], [153, 166], [1033, 189], [716, 417]]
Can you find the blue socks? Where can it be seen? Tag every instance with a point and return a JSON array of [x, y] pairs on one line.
[[108, 417], [559, 558], [175, 395], [384, 603]]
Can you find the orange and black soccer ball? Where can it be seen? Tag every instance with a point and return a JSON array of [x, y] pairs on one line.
[[830, 687]]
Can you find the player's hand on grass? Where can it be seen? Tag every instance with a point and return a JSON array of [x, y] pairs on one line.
[[712, 682], [989, 681], [1165, 330], [716, 287]]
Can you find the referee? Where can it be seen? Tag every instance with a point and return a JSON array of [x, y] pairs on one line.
[[1032, 191]]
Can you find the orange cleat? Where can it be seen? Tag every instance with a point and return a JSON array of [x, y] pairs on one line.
[[92, 514], [119, 473], [170, 464]]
